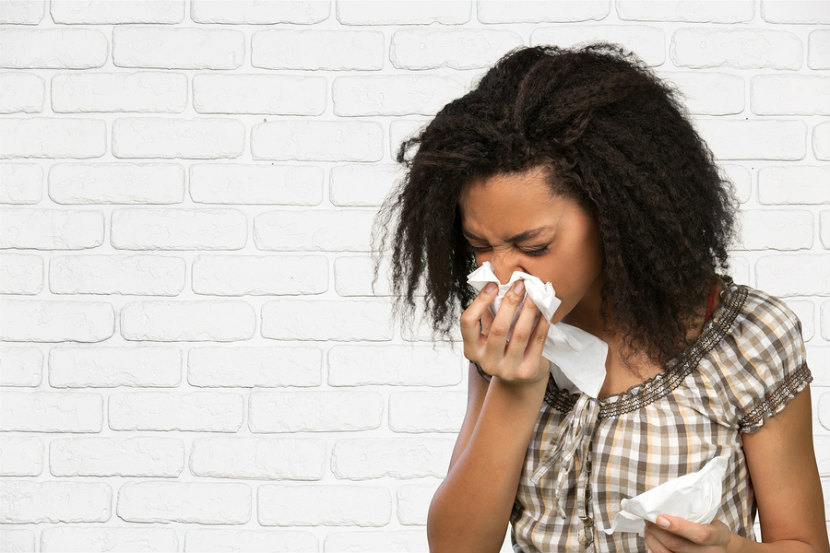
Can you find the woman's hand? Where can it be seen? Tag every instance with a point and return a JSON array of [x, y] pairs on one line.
[[517, 361], [676, 535]]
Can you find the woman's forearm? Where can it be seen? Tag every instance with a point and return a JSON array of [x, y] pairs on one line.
[[471, 509], [739, 544]]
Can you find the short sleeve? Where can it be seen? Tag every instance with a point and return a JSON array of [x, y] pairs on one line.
[[772, 361]]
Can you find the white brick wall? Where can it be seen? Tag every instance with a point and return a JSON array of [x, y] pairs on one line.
[[192, 356]]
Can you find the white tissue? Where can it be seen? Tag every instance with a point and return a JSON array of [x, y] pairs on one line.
[[695, 497], [578, 357]]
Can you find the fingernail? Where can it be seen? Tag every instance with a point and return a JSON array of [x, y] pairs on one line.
[[663, 522], [519, 287], [489, 288]]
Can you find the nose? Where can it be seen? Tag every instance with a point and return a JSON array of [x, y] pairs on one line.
[[503, 266]]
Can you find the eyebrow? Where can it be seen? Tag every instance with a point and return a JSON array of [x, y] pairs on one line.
[[517, 238]]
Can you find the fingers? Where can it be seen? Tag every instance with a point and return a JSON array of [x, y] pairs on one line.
[[470, 328], [500, 327], [680, 535]]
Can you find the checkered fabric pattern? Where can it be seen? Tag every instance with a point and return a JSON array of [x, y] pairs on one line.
[[747, 364]]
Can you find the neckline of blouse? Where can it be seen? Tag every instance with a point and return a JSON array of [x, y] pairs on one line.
[[675, 370]]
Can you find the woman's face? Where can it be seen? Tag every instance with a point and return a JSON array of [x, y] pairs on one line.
[[512, 221]]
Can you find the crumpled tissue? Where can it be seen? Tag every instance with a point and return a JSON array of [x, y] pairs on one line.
[[577, 357], [695, 497]]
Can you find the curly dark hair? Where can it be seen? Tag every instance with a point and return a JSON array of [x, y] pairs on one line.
[[616, 139]]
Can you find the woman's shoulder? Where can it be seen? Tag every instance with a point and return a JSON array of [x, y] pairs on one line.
[[754, 313], [758, 357]]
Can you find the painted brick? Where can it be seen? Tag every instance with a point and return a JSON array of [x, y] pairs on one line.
[[796, 184], [235, 275], [53, 48], [17, 540], [818, 49], [219, 321], [805, 311], [22, 13], [259, 458], [367, 12], [301, 411], [647, 42], [790, 95], [413, 502], [197, 138], [252, 12], [709, 93], [20, 366], [50, 412], [458, 49], [825, 320], [197, 502], [315, 230], [136, 456], [193, 411], [21, 273], [394, 95], [317, 141], [177, 48], [217, 541], [740, 49], [377, 542], [363, 185], [262, 367], [824, 410], [365, 458], [116, 183], [20, 183], [775, 230], [685, 11], [759, 139], [421, 329], [818, 359], [112, 366], [741, 179], [305, 319], [108, 539], [795, 11], [275, 94], [821, 446], [402, 130], [212, 183], [178, 229], [408, 365], [21, 456], [145, 91], [50, 229], [22, 93], [26, 501], [821, 141], [52, 137], [56, 321], [318, 49], [427, 411], [825, 229], [794, 275], [353, 276], [151, 275], [739, 269], [506, 11], [105, 12], [323, 505]]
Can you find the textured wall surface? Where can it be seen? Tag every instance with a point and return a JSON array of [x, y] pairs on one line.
[[192, 356]]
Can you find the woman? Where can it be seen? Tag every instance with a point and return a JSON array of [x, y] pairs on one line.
[[579, 167]]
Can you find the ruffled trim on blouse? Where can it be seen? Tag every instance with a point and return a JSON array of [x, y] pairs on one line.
[[775, 401], [676, 369]]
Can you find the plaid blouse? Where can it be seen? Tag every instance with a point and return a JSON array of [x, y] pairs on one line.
[[586, 454]]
